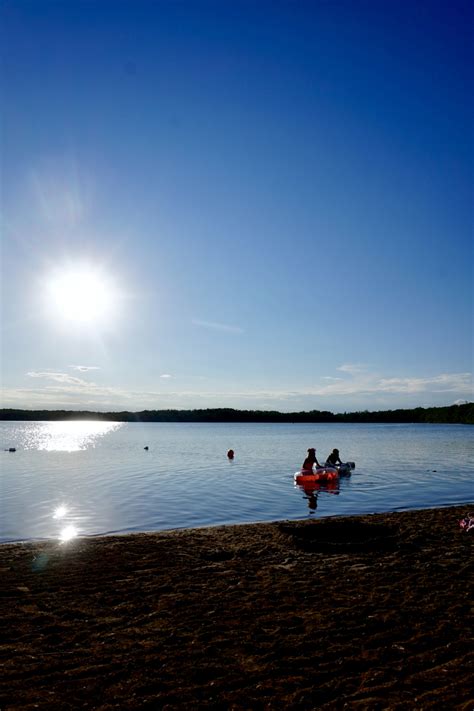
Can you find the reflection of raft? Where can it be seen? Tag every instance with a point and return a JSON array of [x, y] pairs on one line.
[[313, 488]]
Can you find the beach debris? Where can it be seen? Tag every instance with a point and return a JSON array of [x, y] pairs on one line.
[[467, 523]]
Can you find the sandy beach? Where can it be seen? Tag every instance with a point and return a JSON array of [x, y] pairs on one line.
[[368, 612]]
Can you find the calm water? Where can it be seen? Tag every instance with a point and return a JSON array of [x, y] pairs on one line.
[[83, 478]]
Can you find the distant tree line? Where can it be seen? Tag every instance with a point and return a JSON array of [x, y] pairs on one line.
[[453, 414]]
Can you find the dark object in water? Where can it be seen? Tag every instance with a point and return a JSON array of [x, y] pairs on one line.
[[12, 449], [230, 454], [145, 448]]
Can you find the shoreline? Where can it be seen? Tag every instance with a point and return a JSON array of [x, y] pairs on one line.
[[369, 611], [320, 517], [462, 413]]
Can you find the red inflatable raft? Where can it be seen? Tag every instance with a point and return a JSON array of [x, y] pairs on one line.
[[318, 474]]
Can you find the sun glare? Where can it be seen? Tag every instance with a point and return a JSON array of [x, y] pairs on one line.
[[82, 295], [68, 533]]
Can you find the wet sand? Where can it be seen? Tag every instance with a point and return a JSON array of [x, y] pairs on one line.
[[368, 612]]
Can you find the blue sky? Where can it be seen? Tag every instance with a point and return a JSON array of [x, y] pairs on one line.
[[237, 204]]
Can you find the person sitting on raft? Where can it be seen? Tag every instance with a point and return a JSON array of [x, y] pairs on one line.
[[310, 460], [333, 458]]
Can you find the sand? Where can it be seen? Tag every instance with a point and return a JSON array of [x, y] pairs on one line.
[[371, 612]]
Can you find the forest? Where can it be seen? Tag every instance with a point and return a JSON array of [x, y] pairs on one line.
[[453, 414]]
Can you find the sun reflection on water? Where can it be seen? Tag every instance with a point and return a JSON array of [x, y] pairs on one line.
[[69, 436], [68, 530]]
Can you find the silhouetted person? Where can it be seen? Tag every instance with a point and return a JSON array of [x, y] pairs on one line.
[[310, 460], [333, 458], [230, 454]]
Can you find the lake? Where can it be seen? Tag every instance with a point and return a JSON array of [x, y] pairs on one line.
[[87, 478]]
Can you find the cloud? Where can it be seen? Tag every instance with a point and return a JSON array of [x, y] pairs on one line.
[[84, 368], [217, 326], [363, 383], [353, 392], [166, 375], [447, 382], [67, 397], [64, 378], [353, 368]]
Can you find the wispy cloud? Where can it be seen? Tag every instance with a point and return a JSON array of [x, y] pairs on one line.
[[447, 382], [352, 368], [84, 368], [166, 376], [217, 326], [366, 383], [354, 391], [73, 396], [63, 378]]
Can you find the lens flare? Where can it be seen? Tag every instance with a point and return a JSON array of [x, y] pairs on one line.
[[60, 511]]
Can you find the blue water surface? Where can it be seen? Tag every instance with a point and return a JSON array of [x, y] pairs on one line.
[[86, 478]]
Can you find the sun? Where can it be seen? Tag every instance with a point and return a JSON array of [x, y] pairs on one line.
[[82, 295]]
